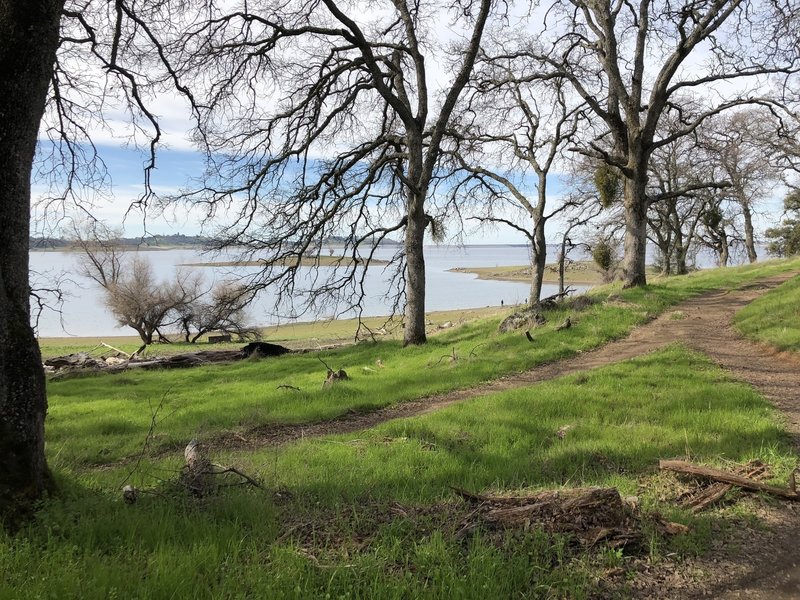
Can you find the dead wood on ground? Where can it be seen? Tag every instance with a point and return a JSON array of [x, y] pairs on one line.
[[592, 515], [685, 468]]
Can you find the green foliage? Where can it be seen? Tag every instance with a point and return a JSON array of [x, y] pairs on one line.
[[774, 317], [785, 239], [605, 257], [607, 181]]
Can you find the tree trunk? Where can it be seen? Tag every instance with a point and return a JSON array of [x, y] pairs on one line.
[[415, 271], [749, 235], [633, 266], [538, 261], [723, 251], [28, 41]]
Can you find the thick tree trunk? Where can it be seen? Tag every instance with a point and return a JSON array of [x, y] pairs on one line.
[[749, 234], [633, 266], [415, 271], [28, 40]]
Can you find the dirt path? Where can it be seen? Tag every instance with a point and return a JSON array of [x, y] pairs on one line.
[[757, 563], [702, 323]]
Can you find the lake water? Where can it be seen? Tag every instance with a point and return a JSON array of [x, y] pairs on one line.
[[84, 314]]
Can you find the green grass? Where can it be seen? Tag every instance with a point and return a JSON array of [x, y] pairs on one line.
[[370, 515], [101, 419], [774, 318]]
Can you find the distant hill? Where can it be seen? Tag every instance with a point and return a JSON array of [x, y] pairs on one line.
[[177, 240], [154, 241]]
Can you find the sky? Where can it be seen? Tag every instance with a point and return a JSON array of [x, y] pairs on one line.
[[178, 163]]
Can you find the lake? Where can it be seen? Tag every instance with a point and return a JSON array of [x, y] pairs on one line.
[[84, 314]]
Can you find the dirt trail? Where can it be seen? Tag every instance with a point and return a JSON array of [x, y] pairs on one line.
[[702, 323], [760, 563]]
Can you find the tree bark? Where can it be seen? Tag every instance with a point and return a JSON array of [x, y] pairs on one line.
[[415, 270], [633, 266], [28, 40], [749, 234], [538, 261]]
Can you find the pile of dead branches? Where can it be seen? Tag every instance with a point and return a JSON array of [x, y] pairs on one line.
[[591, 515]]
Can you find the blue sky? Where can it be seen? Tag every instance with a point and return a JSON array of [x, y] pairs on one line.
[[175, 169]]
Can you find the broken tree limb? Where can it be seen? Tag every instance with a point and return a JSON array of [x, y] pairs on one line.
[[686, 468], [699, 500], [117, 350], [565, 325]]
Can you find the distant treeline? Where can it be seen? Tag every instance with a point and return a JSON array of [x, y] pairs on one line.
[[178, 239], [159, 241]]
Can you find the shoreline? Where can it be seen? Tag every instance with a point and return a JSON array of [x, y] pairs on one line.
[[579, 273], [295, 335]]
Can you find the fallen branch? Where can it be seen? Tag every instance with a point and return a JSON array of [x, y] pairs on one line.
[[685, 468], [565, 325], [284, 386], [117, 350], [700, 500]]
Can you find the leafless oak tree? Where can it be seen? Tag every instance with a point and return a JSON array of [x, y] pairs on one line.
[[735, 143], [324, 119], [628, 60], [523, 127]]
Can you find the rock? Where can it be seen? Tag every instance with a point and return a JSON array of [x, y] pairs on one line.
[[527, 318], [446, 325], [115, 360]]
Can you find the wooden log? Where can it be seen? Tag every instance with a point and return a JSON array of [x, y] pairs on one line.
[[686, 468]]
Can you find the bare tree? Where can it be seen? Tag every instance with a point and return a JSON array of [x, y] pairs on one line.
[[628, 60], [223, 309], [681, 174], [523, 126], [320, 120], [735, 143], [139, 301]]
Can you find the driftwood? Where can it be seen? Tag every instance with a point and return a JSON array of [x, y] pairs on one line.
[[117, 350], [83, 363], [686, 468], [552, 301]]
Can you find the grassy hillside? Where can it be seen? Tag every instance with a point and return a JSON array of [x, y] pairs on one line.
[[774, 318], [371, 514]]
